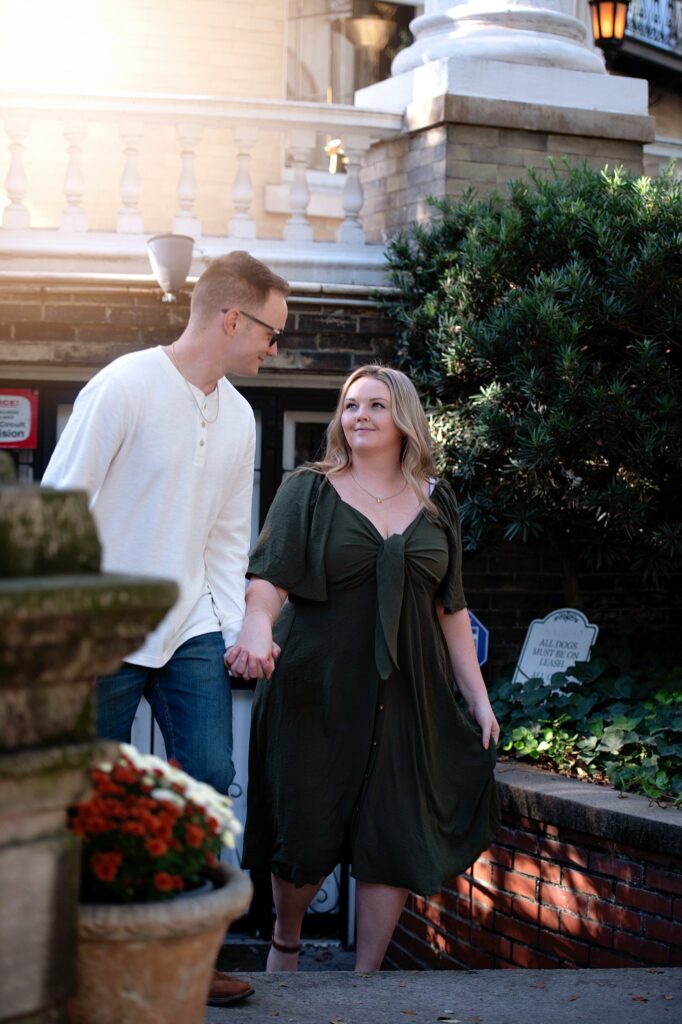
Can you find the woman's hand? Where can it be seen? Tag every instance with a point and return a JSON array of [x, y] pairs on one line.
[[254, 654], [482, 712]]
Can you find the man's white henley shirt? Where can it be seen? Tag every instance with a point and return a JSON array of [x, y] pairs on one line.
[[170, 489]]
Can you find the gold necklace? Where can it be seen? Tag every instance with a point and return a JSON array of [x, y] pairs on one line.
[[204, 419], [379, 501]]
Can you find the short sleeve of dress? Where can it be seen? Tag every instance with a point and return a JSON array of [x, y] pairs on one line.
[[289, 552], [450, 591]]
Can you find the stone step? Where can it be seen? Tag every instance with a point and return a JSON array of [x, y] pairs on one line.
[[621, 996]]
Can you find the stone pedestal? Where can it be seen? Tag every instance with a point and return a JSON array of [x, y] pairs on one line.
[[488, 89], [63, 623]]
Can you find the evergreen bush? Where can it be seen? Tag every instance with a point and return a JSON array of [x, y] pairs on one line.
[[544, 332]]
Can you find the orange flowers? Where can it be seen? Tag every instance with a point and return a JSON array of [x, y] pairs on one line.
[[105, 865], [144, 838]]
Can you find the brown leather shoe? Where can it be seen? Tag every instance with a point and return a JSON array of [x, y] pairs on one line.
[[226, 990]]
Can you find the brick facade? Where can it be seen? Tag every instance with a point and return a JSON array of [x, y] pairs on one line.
[[83, 326], [447, 159], [548, 896]]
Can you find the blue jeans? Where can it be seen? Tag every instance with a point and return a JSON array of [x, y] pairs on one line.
[[191, 699]]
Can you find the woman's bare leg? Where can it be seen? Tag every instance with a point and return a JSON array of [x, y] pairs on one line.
[[377, 908], [291, 904]]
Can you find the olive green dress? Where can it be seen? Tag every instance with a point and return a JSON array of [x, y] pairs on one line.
[[359, 750]]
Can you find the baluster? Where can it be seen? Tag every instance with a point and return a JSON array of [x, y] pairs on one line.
[[129, 218], [73, 217], [185, 221], [242, 224], [355, 147], [15, 215], [301, 148]]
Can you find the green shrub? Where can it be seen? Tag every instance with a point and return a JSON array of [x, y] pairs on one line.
[[616, 718], [544, 332]]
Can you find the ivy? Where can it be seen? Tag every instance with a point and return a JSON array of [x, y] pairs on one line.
[[616, 719]]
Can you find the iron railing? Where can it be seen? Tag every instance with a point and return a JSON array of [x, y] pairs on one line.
[[658, 22]]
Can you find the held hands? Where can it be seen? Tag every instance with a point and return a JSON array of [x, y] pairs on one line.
[[254, 654], [483, 714]]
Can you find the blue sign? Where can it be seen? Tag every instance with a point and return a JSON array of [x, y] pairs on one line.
[[481, 636]]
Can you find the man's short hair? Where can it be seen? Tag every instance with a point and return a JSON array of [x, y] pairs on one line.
[[236, 280]]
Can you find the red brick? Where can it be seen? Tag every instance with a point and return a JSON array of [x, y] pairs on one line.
[[518, 840], [566, 899], [482, 915], [461, 930], [605, 958], [477, 958], [525, 910], [525, 957], [677, 910], [615, 867], [664, 931], [492, 943], [642, 949], [482, 871], [612, 913], [462, 885], [567, 949], [511, 882], [564, 852], [577, 838], [650, 856], [643, 900], [527, 865], [589, 884], [517, 930], [669, 881], [531, 824], [492, 898], [588, 931], [548, 918], [501, 855]]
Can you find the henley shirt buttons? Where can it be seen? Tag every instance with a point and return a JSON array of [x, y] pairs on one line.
[[201, 444]]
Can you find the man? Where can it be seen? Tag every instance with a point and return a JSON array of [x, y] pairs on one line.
[[164, 446]]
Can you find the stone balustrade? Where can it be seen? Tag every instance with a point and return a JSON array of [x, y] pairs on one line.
[[98, 174]]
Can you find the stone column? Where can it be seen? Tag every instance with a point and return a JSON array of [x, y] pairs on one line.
[[490, 88], [63, 623]]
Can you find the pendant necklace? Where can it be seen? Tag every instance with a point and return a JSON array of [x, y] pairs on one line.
[[379, 501], [204, 419]]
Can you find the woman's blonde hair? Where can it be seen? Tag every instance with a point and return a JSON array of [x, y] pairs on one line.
[[408, 415]]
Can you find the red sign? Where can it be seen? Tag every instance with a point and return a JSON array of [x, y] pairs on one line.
[[18, 418]]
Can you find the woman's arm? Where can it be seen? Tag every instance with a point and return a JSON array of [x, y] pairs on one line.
[[460, 643], [253, 654]]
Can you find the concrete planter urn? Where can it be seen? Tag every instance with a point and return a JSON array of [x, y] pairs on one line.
[[142, 963]]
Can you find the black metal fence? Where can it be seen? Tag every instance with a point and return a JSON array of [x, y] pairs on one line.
[[658, 22]]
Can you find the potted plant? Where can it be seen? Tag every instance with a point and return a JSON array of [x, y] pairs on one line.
[[156, 902]]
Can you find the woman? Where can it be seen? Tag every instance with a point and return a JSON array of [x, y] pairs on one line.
[[359, 750]]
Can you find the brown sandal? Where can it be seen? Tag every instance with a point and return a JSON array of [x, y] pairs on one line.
[[281, 948]]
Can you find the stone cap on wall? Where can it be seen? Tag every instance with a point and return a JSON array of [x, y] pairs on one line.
[[588, 807]]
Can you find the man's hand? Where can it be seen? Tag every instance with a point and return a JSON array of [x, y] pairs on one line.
[[254, 653]]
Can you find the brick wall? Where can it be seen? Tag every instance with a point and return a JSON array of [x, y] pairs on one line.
[[546, 896], [447, 159], [84, 327], [510, 585]]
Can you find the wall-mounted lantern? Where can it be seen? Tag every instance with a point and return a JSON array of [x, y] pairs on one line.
[[609, 18]]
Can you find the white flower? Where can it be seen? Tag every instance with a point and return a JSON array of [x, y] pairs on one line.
[[158, 771]]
